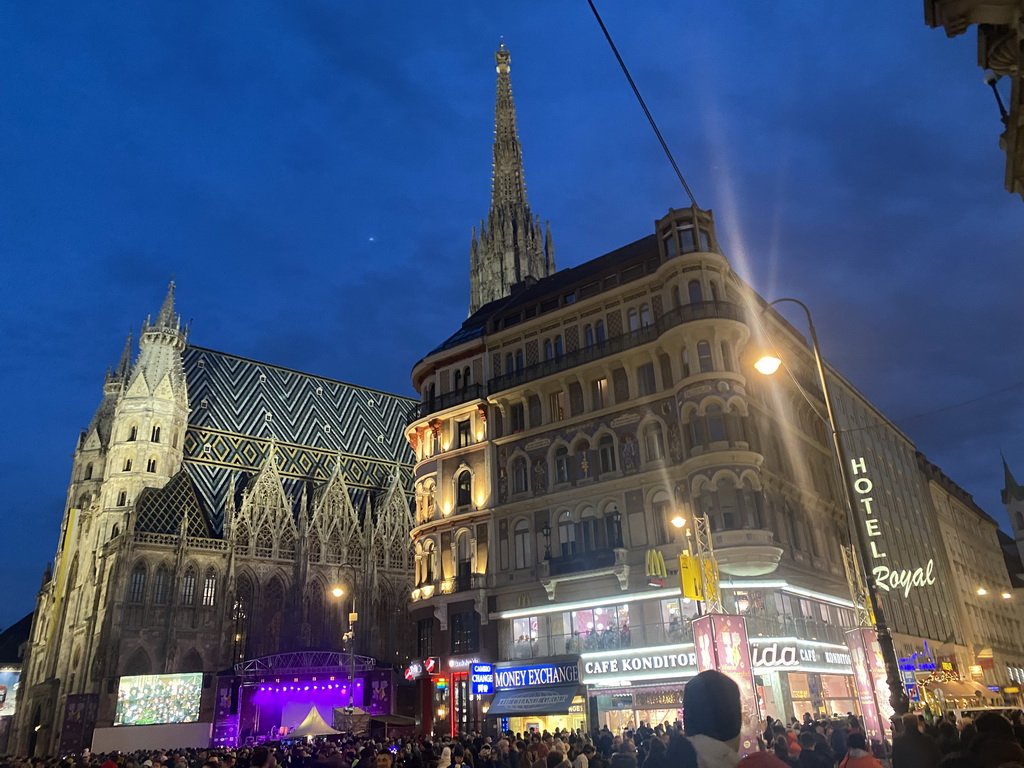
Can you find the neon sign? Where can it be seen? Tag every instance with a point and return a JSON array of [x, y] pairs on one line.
[[889, 579]]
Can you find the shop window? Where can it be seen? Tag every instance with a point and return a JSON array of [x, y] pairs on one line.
[[598, 629], [676, 615], [521, 543], [645, 379], [599, 393], [465, 632], [563, 468], [606, 453], [520, 475], [462, 430], [464, 489]]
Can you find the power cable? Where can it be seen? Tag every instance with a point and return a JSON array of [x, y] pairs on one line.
[[643, 104]]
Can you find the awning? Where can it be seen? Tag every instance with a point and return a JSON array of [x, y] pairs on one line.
[[555, 700]]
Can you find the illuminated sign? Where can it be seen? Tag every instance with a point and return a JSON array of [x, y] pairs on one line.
[[536, 674], [462, 663], [481, 678], [678, 661], [441, 683], [147, 699], [432, 664], [787, 653], [886, 577]]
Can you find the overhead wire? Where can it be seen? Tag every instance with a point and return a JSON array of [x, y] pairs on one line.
[[643, 104]]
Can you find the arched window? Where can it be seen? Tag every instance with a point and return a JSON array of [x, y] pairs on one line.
[[695, 293], [264, 542], [633, 318], [727, 361], [286, 544], [645, 315], [599, 331], [464, 489], [137, 583], [592, 531], [133, 433], [122, 498], [188, 586], [549, 351], [161, 585], [127, 465], [313, 546], [88, 472], [242, 539], [559, 347], [521, 541], [751, 510], [210, 588], [686, 362], [606, 452], [519, 359], [716, 424], [704, 361], [465, 376], [654, 441], [563, 469], [151, 465], [566, 535], [728, 505], [464, 560], [520, 475], [458, 381], [429, 557], [155, 436], [588, 335], [272, 608], [675, 297]]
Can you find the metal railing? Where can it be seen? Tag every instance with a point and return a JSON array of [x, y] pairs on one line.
[[790, 626], [581, 561], [441, 402], [638, 636], [687, 313]]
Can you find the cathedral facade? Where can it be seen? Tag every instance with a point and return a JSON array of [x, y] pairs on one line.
[[216, 504]]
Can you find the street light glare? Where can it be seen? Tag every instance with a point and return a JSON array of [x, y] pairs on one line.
[[982, 591], [678, 521], [337, 591], [768, 365], [1007, 595]]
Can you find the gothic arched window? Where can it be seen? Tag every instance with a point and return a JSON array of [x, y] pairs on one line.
[[137, 583], [210, 588], [161, 585], [155, 435], [188, 586], [464, 489], [264, 542]]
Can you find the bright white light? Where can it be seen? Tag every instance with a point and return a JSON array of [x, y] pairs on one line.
[[1007, 595], [768, 365], [982, 591], [678, 521], [337, 591]]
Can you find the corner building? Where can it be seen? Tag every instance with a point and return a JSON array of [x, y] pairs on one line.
[[567, 422]]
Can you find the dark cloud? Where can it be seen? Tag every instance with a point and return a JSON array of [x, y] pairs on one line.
[[253, 149]]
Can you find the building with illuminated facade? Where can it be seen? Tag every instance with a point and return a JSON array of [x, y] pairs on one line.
[[215, 503], [572, 417]]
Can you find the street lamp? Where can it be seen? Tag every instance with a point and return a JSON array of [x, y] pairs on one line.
[[770, 364], [678, 521], [350, 636]]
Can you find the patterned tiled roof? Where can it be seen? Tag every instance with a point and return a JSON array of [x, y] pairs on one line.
[[240, 407]]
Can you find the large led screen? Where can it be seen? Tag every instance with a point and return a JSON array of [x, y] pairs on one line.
[[8, 689], [148, 699]]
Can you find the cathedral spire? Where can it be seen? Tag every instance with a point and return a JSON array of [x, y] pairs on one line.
[[512, 245], [167, 317], [124, 365]]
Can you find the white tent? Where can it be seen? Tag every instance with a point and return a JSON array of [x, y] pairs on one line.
[[313, 725]]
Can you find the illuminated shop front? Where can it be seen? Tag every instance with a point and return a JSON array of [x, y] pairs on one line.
[[628, 686], [794, 677], [543, 695]]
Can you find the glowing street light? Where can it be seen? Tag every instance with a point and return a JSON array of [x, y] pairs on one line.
[[678, 521], [337, 591], [768, 364], [982, 591], [1007, 595]]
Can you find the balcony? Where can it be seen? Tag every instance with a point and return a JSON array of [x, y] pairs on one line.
[[746, 552], [703, 310], [640, 636], [584, 565], [790, 626], [443, 402]]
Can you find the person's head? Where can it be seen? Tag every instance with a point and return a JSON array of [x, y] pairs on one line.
[[946, 730], [263, 758], [857, 741], [910, 723], [554, 758], [781, 747], [657, 747], [993, 724], [711, 707], [806, 740], [588, 750]]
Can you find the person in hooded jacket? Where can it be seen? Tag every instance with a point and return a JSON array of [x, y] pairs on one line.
[[857, 754]]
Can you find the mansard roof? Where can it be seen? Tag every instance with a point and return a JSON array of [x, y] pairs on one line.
[[489, 317], [241, 407]]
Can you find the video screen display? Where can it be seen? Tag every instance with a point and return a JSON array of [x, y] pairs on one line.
[[149, 699], [8, 689]]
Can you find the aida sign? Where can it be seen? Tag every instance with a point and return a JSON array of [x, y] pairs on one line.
[[887, 576], [786, 653]]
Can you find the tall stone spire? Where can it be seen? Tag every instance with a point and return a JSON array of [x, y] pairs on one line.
[[167, 318], [511, 245]]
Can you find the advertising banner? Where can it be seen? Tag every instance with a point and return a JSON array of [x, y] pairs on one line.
[[869, 677], [721, 642], [225, 713], [8, 690], [79, 722], [380, 691]]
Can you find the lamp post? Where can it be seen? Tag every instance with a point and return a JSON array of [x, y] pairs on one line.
[[768, 365], [350, 636]]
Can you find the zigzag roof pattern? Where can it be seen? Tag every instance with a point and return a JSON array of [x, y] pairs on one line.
[[242, 408]]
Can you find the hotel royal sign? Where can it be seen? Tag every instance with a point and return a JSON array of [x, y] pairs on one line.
[[888, 575]]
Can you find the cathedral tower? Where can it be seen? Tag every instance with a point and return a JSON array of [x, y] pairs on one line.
[[511, 246]]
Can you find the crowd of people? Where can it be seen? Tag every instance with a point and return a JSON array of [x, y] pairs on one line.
[[708, 737]]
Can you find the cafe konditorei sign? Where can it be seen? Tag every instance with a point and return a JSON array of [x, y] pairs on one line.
[[680, 661], [887, 575]]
